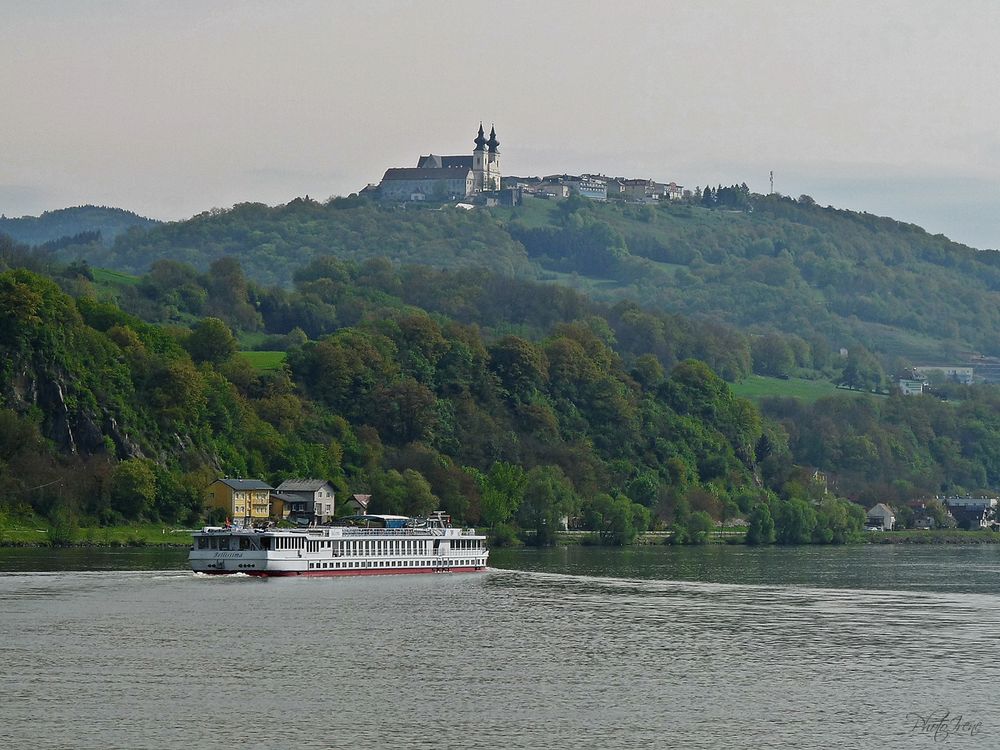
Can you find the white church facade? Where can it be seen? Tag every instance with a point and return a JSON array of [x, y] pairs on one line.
[[447, 177]]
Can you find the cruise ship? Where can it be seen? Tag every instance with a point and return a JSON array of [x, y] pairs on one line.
[[361, 545]]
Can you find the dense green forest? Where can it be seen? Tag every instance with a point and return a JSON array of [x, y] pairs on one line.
[[85, 228], [497, 421], [511, 366], [828, 277]]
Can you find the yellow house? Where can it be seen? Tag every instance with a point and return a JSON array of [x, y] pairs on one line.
[[242, 499]]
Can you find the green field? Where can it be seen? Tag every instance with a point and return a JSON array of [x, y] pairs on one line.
[[535, 213], [108, 277], [264, 361], [757, 387]]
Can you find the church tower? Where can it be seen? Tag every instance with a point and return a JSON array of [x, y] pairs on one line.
[[493, 161], [479, 166]]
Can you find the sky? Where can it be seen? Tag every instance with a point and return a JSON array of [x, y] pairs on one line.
[[172, 108]]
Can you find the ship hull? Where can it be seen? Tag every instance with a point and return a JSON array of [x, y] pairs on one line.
[[349, 572]]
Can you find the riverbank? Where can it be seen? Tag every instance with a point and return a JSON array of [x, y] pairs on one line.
[[35, 534], [590, 538], [39, 534], [933, 536]]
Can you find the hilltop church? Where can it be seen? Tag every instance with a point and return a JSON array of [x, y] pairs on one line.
[[447, 177]]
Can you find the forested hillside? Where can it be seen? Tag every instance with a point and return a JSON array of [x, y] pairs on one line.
[[78, 226], [499, 399], [273, 242], [778, 264], [128, 419], [830, 278], [468, 374]]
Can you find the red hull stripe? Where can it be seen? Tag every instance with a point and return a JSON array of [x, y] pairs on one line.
[[344, 572]]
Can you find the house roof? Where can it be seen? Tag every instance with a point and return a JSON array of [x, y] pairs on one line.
[[415, 173], [286, 498], [361, 500], [245, 484], [302, 485], [881, 509]]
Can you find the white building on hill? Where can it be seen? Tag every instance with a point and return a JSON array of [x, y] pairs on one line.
[[447, 177]]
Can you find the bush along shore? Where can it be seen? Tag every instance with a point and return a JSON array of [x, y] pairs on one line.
[[934, 536], [43, 534], [739, 536]]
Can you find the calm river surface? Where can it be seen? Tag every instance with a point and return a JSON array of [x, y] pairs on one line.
[[719, 647]]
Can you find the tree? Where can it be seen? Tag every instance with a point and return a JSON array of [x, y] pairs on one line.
[[692, 528], [229, 296], [420, 501], [615, 518], [521, 366], [794, 521], [837, 521], [501, 491], [862, 370], [211, 341], [404, 411], [940, 513], [772, 355], [761, 530], [548, 496], [133, 488]]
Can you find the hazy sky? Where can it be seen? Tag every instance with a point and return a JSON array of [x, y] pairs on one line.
[[171, 108]]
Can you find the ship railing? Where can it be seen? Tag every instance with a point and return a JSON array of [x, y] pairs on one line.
[[349, 531]]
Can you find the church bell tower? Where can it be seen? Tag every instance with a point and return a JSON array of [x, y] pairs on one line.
[[493, 161], [479, 166]]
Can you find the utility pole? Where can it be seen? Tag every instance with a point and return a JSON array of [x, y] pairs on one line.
[[772, 182]]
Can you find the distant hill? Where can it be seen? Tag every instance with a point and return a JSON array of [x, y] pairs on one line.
[[53, 226], [271, 243], [829, 278]]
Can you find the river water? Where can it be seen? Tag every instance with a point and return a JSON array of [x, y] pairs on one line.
[[719, 647]]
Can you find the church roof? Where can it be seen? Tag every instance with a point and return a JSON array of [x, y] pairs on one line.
[[456, 162], [433, 161], [416, 173]]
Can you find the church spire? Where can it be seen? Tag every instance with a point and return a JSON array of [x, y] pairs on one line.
[[493, 143], [480, 139]]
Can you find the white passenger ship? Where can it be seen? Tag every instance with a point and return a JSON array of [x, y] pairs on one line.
[[396, 544]]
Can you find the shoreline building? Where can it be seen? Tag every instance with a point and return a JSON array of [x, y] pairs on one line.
[[447, 177], [248, 500]]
